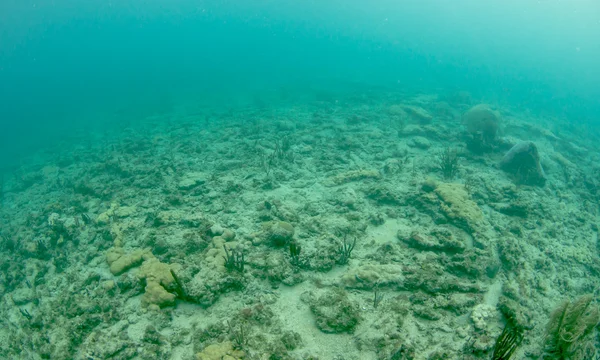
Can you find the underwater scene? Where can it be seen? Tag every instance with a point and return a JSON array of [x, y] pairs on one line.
[[299, 180]]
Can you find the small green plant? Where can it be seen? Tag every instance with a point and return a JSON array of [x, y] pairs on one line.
[[377, 296], [569, 329], [448, 163], [345, 250], [282, 152], [267, 161], [234, 259], [238, 335], [508, 342], [295, 259], [295, 250]]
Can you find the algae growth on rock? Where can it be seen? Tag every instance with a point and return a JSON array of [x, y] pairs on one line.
[[325, 236]]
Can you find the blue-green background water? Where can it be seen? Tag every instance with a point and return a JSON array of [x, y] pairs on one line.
[[69, 67]]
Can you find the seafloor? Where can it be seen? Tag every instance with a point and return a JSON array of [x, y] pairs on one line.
[[373, 226]]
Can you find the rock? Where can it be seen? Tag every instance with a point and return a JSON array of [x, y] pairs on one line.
[[420, 143], [482, 125], [353, 175], [228, 235], [158, 278], [419, 114], [523, 161], [367, 276], [104, 218], [23, 295], [120, 262], [107, 285], [124, 211], [156, 295], [280, 233], [483, 122], [153, 269], [168, 217], [220, 351], [482, 315], [434, 243], [458, 207], [429, 184], [216, 230], [191, 180], [335, 313]]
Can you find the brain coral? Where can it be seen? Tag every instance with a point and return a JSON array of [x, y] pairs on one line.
[[481, 120]]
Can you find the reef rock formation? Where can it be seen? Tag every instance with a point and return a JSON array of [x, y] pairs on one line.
[[482, 123], [523, 161]]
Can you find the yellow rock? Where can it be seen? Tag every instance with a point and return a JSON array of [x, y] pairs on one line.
[[215, 257], [107, 285], [457, 205], [158, 277], [157, 274], [218, 242], [154, 270], [153, 307], [104, 218], [120, 262], [220, 351], [157, 295], [113, 254]]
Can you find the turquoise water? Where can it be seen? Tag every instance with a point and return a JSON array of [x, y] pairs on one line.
[[66, 66]]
